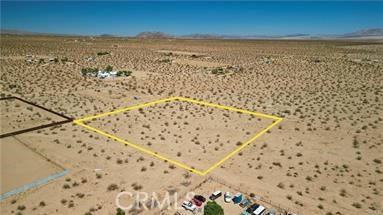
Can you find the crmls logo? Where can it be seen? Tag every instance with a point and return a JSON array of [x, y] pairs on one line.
[[144, 202]]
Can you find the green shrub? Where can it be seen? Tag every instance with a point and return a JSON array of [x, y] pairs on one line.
[[218, 71], [89, 71], [124, 73], [212, 208], [120, 212], [109, 68], [102, 53]]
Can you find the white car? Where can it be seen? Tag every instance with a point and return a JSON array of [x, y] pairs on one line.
[[227, 197], [189, 206]]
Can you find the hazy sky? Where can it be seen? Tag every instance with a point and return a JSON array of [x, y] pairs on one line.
[[232, 18]]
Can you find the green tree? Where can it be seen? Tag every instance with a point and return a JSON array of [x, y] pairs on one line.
[[212, 208], [120, 212], [109, 68], [124, 73]]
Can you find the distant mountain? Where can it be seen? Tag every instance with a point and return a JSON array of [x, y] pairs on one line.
[[374, 33], [365, 33], [152, 35], [203, 36], [20, 32], [108, 35], [26, 33], [297, 35]]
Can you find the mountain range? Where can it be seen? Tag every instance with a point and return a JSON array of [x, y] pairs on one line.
[[374, 33]]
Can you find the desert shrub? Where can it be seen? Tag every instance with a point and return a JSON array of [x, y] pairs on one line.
[[212, 208], [102, 53], [343, 192], [299, 193], [357, 205], [166, 60], [112, 187], [136, 186], [21, 207], [120, 212], [124, 73], [218, 71], [109, 68], [89, 71]]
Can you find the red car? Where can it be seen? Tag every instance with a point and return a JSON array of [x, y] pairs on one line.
[[197, 202]]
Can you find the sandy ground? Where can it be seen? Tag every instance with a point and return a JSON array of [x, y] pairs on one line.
[[17, 115], [323, 158], [199, 63], [198, 136], [185, 53], [21, 166]]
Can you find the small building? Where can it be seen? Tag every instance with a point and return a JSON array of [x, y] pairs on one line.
[[106, 74]]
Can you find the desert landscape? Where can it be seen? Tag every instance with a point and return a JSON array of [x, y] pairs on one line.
[[324, 157]]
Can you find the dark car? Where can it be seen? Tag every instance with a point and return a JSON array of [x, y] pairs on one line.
[[215, 195], [252, 208], [197, 202], [200, 198]]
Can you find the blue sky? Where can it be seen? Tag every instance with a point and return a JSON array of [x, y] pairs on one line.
[[231, 18]]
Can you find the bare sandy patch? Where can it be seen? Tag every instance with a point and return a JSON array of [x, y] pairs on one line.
[[21, 166]]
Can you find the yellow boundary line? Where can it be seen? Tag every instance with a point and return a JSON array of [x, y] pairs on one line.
[[277, 120]]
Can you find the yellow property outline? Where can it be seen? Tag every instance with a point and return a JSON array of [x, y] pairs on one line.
[[275, 118]]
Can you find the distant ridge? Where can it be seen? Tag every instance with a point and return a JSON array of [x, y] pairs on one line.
[[366, 33], [203, 36], [373, 33], [22, 32], [153, 35]]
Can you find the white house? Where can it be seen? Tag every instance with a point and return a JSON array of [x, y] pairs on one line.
[[105, 74]]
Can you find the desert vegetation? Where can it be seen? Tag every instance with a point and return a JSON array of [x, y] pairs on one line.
[[324, 158]]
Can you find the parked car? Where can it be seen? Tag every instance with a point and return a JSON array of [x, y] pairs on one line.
[[252, 208], [227, 197], [271, 212], [197, 202], [290, 213], [237, 198], [244, 203], [215, 195], [189, 206], [259, 210], [200, 198]]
